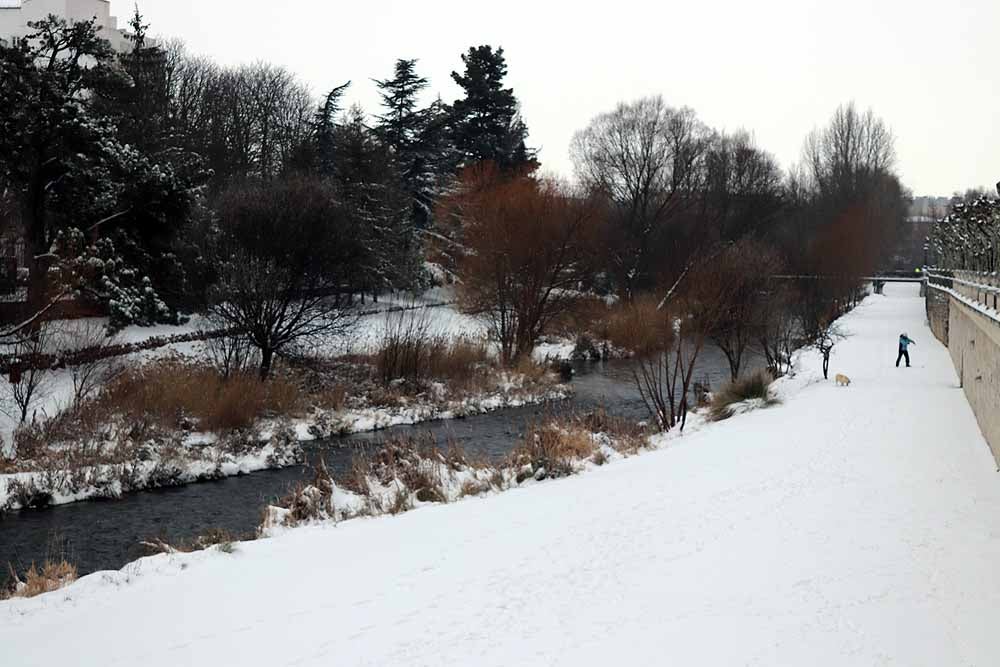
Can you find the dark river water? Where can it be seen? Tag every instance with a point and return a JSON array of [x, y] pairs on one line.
[[105, 534]]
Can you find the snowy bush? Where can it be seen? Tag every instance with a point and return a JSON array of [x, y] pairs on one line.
[[747, 392]]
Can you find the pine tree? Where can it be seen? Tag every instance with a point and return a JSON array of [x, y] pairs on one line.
[[371, 188], [416, 136], [402, 121], [325, 132], [486, 123]]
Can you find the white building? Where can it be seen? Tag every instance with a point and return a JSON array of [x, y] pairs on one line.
[[15, 15]]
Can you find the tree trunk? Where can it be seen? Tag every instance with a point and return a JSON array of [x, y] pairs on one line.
[[35, 246], [266, 358]]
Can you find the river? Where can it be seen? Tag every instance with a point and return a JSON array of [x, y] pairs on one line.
[[106, 534]]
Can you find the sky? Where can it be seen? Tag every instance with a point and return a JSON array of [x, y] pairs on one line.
[[778, 68]]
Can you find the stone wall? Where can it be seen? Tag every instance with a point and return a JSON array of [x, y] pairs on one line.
[[938, 307], [973, 339]]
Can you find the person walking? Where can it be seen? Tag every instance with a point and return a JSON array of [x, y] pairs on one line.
[[904, 342]]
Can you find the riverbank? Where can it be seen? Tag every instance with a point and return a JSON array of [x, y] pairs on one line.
[[120, 464], [847, 525], [180, 413]]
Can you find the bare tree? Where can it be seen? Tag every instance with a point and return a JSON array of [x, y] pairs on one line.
[[232, 354], [28, 382], [284, 253], [858, 205], [527, 242], [853, 147], [668, 338], [246, 121], [744, 269], [95, 368], [824, 340], [778, 329], [744, 187], [646, 158]]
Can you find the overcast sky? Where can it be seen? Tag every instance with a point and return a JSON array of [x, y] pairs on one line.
[[775, 67]]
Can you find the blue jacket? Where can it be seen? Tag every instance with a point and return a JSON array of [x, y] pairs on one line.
[[904, 342]]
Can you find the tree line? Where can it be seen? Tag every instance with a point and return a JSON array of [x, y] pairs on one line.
[[154, 182]]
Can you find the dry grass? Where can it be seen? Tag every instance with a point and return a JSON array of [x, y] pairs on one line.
[[628, 437], [53, 575], [475, 487], [312, 500], [174, 394], [551, 449], [532, 372], [331, 398], [418, 359], [555, 447], [754, 385], [401, 461], [388, 478], [225, 540], [640, 326]]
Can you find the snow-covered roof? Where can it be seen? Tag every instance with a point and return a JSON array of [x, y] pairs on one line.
[[10, 4]]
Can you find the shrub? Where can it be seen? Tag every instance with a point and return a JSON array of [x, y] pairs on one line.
[[756, 385], [408, 351], [461, 359], [640, 326]]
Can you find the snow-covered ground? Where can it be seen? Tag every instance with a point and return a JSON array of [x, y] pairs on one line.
[[846, 526]]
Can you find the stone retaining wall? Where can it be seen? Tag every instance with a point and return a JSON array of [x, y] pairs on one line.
[[973, 339]]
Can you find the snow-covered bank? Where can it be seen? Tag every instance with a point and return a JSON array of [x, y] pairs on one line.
[[57, 465], [200, 457], [856, 525], [154, 466], [512, 392]]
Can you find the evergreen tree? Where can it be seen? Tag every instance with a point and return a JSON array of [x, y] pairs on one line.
[[402, 121], [141, 107], [61, 157], [47, 83], [325, 132], [416, 136], [370, 187], [486, 123]]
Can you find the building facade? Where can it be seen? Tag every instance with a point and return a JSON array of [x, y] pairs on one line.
[[16, 14]]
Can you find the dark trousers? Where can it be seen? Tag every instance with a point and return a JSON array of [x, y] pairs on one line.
[[903, 353]]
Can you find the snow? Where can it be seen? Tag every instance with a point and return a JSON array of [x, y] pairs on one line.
[[845, 526], [57, 391], [510, 392], [197, 460], [980, 308], [434, 306]]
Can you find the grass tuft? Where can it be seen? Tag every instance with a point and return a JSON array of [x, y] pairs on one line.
[[756, 385], [53, 575]]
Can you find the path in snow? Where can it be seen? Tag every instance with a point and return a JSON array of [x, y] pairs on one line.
[[854, 525]]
